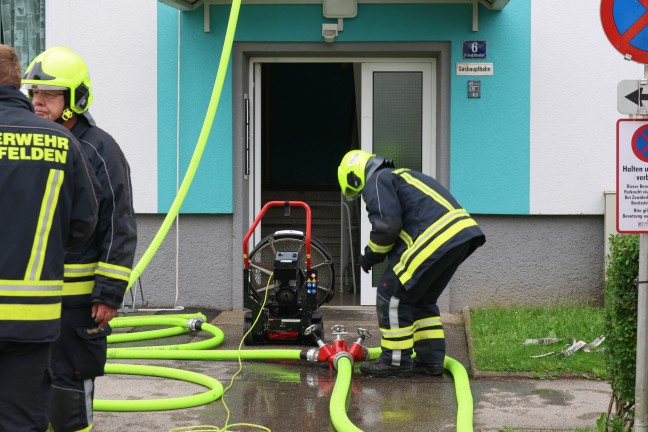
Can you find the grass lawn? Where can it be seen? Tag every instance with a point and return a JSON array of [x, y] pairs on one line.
[[498, 334]]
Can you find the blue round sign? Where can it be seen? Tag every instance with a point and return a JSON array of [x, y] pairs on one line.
[[640, 143], [625, 23]]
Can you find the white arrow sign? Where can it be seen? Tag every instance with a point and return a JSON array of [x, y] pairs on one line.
[[632, 97]]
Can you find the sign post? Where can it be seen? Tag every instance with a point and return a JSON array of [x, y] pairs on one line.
[[625, 23]]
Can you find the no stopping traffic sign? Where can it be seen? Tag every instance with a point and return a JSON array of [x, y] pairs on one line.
[[625, 23], [632, 176]]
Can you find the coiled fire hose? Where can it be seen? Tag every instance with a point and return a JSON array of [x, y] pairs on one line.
[[201, 350]]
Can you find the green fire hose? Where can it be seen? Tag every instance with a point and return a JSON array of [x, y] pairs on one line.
[[200, 351], [196, 351]]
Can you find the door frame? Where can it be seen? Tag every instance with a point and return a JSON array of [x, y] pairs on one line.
[[243, 71]]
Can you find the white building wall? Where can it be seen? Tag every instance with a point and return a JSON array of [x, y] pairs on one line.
[[118, 40], [574, 75]]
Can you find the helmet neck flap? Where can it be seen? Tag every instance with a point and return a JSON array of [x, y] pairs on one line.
[[376, 163]]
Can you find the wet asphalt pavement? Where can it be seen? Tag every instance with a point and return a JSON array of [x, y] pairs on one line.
[[294, 395]]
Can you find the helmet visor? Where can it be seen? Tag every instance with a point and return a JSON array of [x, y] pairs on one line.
[[352, 187], [42, 87], [350, 194]]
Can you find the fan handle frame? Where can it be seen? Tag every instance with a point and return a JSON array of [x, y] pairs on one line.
[[287, 205]]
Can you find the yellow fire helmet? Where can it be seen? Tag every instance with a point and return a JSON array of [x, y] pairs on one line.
[[351, 173], [60, 68]]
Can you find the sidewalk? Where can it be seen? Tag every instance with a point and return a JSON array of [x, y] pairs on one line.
[[293, 396]]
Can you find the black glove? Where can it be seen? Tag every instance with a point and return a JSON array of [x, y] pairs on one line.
[[364, 263]]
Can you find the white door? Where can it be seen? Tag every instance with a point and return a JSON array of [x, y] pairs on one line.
[[398, 121]]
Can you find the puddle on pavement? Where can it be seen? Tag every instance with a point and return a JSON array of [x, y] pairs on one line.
[[553, 397]]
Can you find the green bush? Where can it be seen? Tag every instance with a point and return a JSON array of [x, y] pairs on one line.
[[621, 335]]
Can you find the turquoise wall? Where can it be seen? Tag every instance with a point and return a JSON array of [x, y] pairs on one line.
[[489, 136]]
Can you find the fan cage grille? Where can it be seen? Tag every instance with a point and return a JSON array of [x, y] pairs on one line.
[[264, 257]]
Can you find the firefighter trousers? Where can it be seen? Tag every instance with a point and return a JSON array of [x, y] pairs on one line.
[[77, 358], [410, 319], [25, 380]]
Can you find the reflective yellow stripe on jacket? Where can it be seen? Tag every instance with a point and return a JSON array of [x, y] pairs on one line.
[[78, 288], [406, 238], [114, 271], [79, 270], [380, 249], [73, 271], [424, 237], [418, 184], [432, 247], [101, 268], [45, 218], [435, 236], [33, 290]]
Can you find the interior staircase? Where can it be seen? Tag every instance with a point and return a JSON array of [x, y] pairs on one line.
[[325, 223]]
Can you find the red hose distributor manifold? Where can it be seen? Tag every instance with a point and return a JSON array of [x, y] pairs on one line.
[[338, 347]]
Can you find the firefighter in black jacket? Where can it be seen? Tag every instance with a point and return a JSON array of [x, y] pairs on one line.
[[97, 272], [425, 235], [48, 202]]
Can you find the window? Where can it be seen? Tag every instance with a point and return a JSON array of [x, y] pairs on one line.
[[22, 26]]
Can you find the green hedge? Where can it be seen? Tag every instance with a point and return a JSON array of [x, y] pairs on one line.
[[621, 330]]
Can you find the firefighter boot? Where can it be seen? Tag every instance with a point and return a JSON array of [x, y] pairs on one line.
[[433, 369], [379, 369]]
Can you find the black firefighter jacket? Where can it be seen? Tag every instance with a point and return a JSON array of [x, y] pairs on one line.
[[414, 221], [98, 270], [47, 200]]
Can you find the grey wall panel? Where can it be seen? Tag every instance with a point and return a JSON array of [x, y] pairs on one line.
[[530, 260], [527, 260], [204, 262]]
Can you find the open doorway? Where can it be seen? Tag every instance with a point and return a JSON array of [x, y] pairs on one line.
[[309, 120], [306, 114]]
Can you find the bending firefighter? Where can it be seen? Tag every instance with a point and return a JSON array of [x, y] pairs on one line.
[[48, 202], [425, 235], [96, 272]]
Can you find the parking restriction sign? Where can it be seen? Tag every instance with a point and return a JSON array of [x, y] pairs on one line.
[[625, 23], [632, 176]]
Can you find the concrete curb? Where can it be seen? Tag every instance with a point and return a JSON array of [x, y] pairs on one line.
[[467, 324]]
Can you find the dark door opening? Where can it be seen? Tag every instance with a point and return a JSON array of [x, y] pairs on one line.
[[308, 122]]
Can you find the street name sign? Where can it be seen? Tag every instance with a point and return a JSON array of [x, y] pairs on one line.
[[465, 68]]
